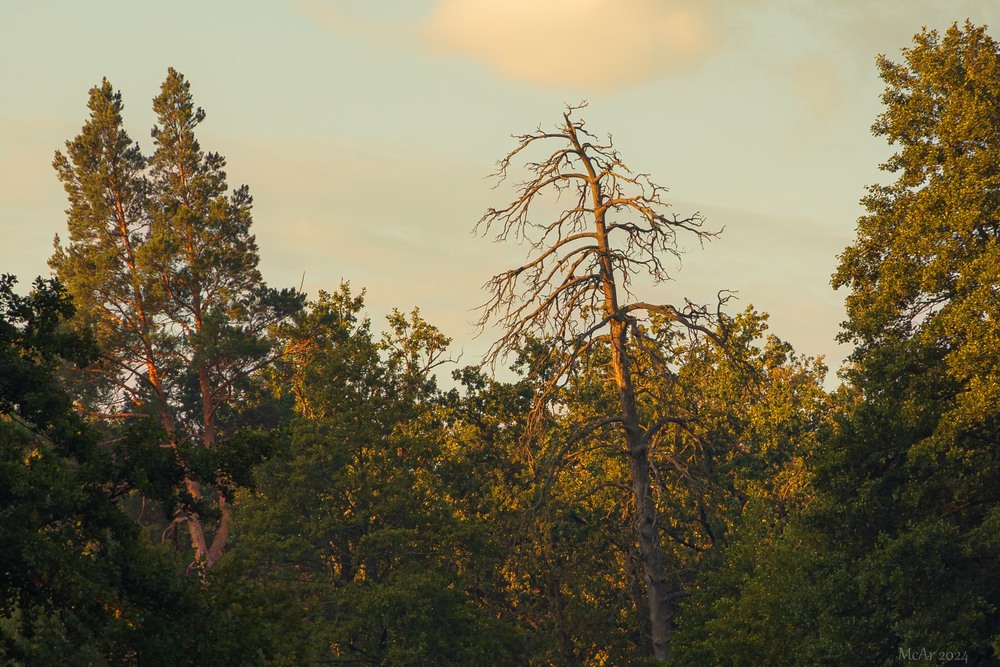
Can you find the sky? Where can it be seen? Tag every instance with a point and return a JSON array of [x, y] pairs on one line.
[[367, 130]]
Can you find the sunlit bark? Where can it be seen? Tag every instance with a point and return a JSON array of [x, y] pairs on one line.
[[570, 292]]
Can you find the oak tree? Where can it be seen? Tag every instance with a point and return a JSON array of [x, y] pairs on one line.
[[904, 490], [913, 476], [356, 520]]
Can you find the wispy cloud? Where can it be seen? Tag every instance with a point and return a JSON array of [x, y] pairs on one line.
[[399, 224], [819, 83], [602, 45], [329, 15]]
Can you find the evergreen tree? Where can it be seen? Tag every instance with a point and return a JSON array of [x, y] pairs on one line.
[[104, 264], [163, 265]]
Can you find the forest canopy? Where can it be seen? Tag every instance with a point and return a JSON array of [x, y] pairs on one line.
[[199, 468]]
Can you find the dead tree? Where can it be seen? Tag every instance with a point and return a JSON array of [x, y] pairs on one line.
[[575, 289]]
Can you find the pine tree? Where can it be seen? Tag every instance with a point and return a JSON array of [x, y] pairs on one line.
[[163, 264], [103, 267]]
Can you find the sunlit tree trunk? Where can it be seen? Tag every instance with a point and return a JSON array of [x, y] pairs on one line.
[[567, 293]]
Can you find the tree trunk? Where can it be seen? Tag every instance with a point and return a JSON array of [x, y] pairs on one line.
[[548, 294], [650, 550], [195, 527], [221, 533]]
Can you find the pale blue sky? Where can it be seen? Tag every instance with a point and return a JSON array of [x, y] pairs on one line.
[[366, 128]]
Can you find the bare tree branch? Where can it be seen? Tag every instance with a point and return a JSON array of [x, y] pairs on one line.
[[569, 294]]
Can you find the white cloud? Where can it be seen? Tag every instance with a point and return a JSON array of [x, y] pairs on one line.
[[592, 44], [587, 44], [598, 45]]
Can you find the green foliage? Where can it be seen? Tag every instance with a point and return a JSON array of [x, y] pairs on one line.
[[734, 435], [731, 434], [896, 549], [355, 520], [79, 583], [215, 307], [917, 491], [381, 521]]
